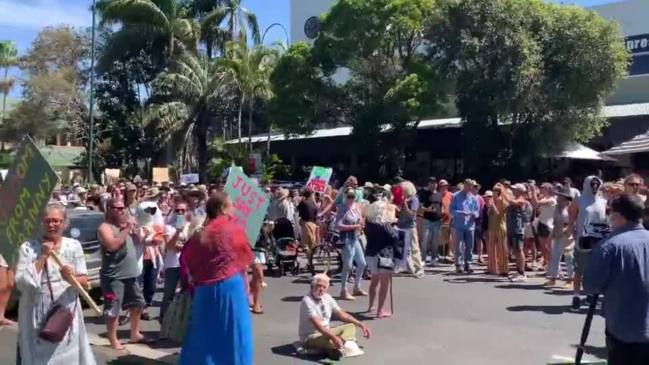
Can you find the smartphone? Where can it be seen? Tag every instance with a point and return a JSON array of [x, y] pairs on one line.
[[180, 221]]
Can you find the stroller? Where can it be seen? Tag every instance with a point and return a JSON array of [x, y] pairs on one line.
[[286, 250]]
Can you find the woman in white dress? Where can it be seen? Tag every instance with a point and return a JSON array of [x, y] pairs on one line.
[[32, 271]]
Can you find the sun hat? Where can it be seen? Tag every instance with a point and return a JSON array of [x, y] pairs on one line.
[[519, 187], [488, 194]]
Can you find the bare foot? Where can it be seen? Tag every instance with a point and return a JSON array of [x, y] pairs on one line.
[[6, 322], [139, 338], [384, 314], [359, 293], [116, 345]]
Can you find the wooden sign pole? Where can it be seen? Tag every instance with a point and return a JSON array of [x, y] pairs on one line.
[[75, 283]]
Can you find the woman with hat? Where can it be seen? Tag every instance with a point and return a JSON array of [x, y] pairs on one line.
[[563, 242]]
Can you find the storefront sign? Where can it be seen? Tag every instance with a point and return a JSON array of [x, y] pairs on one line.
[[638, 46], [24, 194], [250, 203]]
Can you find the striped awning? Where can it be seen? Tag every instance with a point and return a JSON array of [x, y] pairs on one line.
[[639, 143]]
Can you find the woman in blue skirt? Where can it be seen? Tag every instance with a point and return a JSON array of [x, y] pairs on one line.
[[220, 328]]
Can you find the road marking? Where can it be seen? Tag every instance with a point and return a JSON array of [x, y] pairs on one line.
[[133, 349]]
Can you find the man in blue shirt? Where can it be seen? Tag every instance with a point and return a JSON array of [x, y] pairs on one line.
[[619, 269], [465, 210]]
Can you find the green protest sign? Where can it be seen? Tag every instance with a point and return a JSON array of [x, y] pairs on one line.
[[319, 179], [249, 201], [24, 194]]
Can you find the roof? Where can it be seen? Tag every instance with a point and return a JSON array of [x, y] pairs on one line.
[[609, 111], [62, 156], [577, 151], [639, 143]]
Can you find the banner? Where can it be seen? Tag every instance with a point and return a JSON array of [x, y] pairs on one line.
[[23, 196], [111, 176], [249, 201], [255, 164], [160, 174], [186, 179], [319, 179]]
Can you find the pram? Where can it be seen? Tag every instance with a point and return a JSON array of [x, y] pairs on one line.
[[286, 248]]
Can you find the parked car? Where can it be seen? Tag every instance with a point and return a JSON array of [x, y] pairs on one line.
[[82, 226]]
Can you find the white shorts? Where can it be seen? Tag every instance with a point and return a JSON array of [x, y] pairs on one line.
[[260, 258]]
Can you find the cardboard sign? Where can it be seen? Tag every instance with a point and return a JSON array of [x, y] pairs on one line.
[[112, 176], [319, 179], [249, 201], [160, 174], [255, 164], [23, 196], [187, 179]]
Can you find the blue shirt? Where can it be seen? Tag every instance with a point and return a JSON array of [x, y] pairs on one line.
[[619, 269], [464, 203]]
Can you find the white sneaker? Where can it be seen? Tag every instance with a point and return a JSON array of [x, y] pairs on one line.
[[519, 279]]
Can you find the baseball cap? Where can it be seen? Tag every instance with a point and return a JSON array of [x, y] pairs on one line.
[[520, 187], [443, 183], [488, 193]]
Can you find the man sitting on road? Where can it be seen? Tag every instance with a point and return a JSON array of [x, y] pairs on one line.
[[315, 316]]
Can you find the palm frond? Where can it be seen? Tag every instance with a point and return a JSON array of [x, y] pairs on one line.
[[166, 119], [252, 24], [214, 19], [134, 12], [8, 54]]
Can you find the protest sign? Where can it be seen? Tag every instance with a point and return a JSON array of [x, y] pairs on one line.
[[186, 179], [23, 196], [249, 201], [319, 179], [160, 174], [255, 164], [111, 176]]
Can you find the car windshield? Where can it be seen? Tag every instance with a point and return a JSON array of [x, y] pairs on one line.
[[84, 227]]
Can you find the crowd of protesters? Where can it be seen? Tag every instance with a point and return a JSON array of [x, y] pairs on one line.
[[184, 234]]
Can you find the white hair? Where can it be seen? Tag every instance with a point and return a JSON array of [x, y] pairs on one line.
[[320, 277]]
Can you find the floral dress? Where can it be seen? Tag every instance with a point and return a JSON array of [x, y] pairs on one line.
[[35, 303]]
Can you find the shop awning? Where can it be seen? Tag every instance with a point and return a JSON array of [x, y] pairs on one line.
[[639, 143], [578, 151]]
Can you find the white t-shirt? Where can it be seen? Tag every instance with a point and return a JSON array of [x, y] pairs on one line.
[[321, 309], [171, 257], [546, 213]]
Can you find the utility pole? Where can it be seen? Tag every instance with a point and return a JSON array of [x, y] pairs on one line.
[[92, 96]]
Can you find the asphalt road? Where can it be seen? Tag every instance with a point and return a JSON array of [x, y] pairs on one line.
[[443, 319]]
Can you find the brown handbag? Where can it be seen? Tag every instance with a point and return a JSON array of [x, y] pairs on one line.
[[58, 319]]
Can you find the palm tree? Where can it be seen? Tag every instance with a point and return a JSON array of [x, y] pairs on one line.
[[185, 96], [237, 18], [8, 58], [213, 36], [161, 22], [249, 69]]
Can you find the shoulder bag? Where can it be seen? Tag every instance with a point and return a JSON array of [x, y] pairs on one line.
[[58, 319]]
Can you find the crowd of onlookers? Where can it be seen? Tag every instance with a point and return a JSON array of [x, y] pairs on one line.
[[183, 234]]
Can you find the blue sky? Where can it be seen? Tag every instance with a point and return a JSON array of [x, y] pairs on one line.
[[22, 19]]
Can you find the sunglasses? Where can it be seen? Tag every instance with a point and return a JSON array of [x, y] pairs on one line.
[[181, 210], [351, 196], [635, 185]]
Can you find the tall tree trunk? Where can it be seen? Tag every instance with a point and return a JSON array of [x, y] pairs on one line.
[[270, 130], [243, 100], [251, 105], [4, 97], [201, 139]]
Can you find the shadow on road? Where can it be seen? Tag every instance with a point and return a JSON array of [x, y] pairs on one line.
[[599, 352], [521, 286], [547, 309], [464, 280], [137, 360], [292, 299], [289, 351]]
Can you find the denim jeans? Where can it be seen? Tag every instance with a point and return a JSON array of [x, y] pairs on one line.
[[558, 248], [430, 239], [352, 252], [466, 236], [149, 280], [172, 278]]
